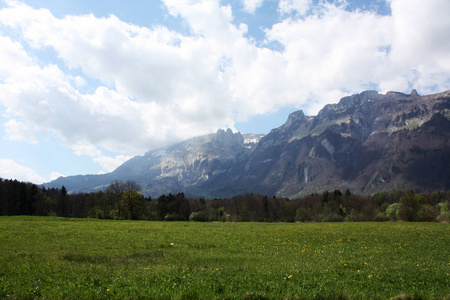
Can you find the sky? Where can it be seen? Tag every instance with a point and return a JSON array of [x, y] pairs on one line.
[[85, 85]]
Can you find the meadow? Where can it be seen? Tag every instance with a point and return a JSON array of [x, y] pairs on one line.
[[62, 258]]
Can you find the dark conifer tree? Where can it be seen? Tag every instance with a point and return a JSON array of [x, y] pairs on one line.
[[62, 205]]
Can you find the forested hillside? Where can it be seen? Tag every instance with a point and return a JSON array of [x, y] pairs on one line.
[[122, 200]]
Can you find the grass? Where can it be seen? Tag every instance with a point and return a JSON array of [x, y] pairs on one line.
[[55, 258]]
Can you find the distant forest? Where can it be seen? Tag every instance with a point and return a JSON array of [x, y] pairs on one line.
[[122, 200]]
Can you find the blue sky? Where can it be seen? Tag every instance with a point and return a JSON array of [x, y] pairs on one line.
[[86, 85]]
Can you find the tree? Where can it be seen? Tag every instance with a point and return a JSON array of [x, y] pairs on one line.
[[174, 207], [392, 211], [410, 205], [114, 191], [23, 200], [325, 196], [133, 203], [33, 198], [62, 205], [337, 193], [347, 193], [164, 205], [123, 196], [266, 216], [184, 209]]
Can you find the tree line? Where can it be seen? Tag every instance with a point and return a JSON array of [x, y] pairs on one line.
[[123, 200]]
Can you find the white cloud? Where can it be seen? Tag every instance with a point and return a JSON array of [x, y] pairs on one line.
[[330, 54], [300, 7], [251, 5], [19, 131], [9, 169], [155, 86], [85, 149], [55, 175], [160, 86], [109, 164], [420, 52], [335, 52]]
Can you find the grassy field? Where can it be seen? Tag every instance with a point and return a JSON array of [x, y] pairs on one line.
[[55, 258]]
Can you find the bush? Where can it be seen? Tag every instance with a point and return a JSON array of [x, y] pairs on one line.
[[95, 212], [173, 217], [428, 213], [410, 204], [392, 211], [198, 216], [444, 215], [302, 215], [332, 217], [380, 217]]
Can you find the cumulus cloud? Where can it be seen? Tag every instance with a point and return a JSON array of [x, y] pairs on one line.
[[9, 169], [251, 5], [108, 163], [334, 53], [151, 86], [55, 175], [19, 131], [155, 91], [420, 55], [299, 7]]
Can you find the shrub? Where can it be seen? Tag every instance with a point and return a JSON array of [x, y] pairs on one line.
[[428, 213], [410, 205], [392, 211], [198, 216], [95, 212], [332, 217], [173, 217], [380, 217], [302, 215], [444, 215]]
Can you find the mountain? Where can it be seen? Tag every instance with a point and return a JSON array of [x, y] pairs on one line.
[[173, 169], [368, 142]]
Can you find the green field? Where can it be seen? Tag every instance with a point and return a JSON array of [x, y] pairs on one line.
[[55, 258]]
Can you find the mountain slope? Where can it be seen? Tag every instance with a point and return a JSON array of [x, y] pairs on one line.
[[367, 142]]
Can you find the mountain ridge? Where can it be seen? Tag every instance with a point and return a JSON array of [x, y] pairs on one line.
[[366, 142]]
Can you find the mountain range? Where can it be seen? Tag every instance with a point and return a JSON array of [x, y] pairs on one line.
[[367, 143]]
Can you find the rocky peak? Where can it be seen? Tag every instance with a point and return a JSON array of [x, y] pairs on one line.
[[395, 95], [414, 93], [295, 117], [349, 101], [229, 139], [331, 111]]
